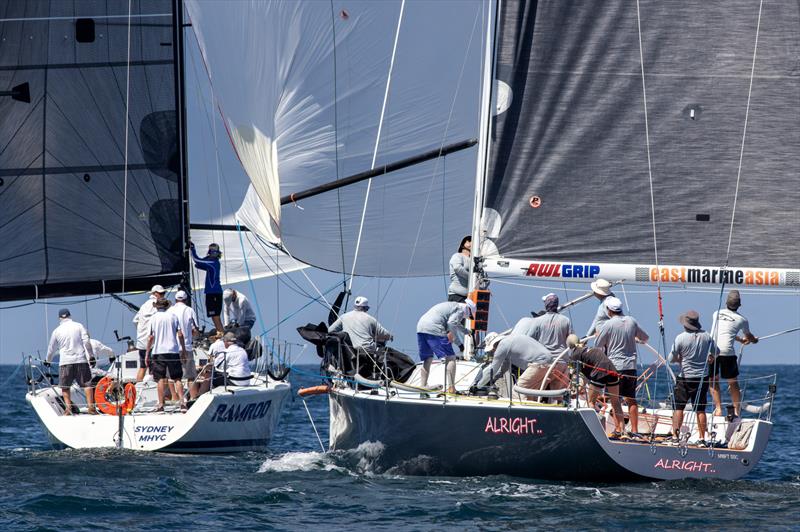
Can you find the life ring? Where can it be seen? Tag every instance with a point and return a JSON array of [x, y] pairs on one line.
[[314, 390], [106, 395]]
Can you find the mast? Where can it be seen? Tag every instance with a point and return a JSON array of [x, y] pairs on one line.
[[180, 111], [483, 152]]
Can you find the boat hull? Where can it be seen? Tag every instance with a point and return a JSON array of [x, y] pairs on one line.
[[240, 419], [464, 438]]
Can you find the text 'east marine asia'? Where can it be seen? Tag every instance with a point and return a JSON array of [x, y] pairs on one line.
[[512, 425], [569, 271], [247, 412], [152, 432]]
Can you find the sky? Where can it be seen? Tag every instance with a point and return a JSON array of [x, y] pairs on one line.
[[397, 303]]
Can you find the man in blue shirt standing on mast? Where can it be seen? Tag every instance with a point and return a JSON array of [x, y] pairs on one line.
[[210, 264]]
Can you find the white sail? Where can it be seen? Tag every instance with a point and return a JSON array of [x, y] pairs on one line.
[[301, 86]]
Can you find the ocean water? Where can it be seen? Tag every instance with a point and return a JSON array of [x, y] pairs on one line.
[[295, 486]]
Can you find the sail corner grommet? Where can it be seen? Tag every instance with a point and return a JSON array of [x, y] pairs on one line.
[[535, 202]]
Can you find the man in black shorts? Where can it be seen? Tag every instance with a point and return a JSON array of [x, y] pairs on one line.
[[694, 350], [168, 347], [213, 287], [596, 368]]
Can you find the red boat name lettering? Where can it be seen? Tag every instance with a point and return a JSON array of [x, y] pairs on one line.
[[512, 425]]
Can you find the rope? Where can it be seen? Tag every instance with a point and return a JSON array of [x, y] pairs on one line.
[[249, 278], [314, 426], [377, 141], [125, 187]]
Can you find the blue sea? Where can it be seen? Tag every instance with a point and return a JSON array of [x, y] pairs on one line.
[[295, 486]]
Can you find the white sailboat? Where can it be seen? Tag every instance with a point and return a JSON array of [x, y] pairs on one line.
[[95, 201], [612, 142]]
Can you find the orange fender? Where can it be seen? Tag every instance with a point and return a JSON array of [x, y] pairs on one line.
[[105, 406], [314, 390]]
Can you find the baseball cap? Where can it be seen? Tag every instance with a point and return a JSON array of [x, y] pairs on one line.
[[491, 341], [227, 295], [613, 304], [361, 301], [469, 308], [157, 288], [181, 296], [64, 313]]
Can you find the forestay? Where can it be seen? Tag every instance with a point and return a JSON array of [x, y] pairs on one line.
[[568, 184], [301, 87], [68, 220]]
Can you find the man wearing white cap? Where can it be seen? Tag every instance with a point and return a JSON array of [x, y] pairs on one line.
[[601, 290], [512, 349], [550, 329], [142, 321], [237, 309], [365, 332], [188, 322], [437, 329], [71, 342], [618, 336]]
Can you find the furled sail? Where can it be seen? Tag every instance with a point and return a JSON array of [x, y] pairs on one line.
[[71, 222], [569, 181], [302, 85]]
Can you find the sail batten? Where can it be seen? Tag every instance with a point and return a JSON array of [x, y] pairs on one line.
[[568, 180]]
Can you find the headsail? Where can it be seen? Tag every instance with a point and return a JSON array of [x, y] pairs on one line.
[[68, 222], [569, 183], [301, 85]]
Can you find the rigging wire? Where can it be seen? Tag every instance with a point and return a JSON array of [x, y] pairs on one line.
[[336, 143], [377, 140], [127, 128]]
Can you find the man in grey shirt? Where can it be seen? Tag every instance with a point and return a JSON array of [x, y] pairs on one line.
[[550, 329], [364, 330], [437, 330], [618, 336], [459, 271], [513, 349], [601, 290], [727, 325], [694, 350]]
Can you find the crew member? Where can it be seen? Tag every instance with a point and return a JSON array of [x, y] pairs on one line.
[[459, 271], [100, 350], [364, 330], [601, 290], [550, 329], [142, 321], [188, 321], [601, 373], [213, 288], [437, 330], [728, 323], [237, 310], [512, 350], [694, 351], [70, 342], [231, 368], [168, 349], [618, 336]]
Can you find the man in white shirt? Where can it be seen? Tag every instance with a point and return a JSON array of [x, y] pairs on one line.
[[231, 366], [237, 309], [71, 342], [166, 344], [100, 350], [188, 321], [727, 324], [142, 321]]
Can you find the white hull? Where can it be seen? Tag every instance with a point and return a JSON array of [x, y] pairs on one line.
[[241, 418]]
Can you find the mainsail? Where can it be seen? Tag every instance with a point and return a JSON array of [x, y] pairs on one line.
[[302, 85], [90, 203], [601, 101]]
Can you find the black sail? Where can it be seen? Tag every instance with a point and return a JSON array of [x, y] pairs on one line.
[[67, 218], [573, 140]]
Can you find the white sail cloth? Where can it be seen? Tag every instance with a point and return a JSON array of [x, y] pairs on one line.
[[301, 86]]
